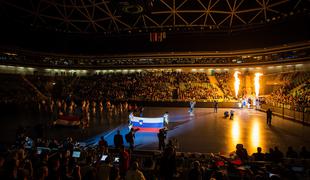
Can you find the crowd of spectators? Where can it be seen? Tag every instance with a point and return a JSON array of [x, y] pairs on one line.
[[294, 94], [145, 86], [14, 90], [207, 93], [68, 159], [223, 79]]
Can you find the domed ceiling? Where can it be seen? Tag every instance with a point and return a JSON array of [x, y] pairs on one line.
[[103, 16], [127, 26]]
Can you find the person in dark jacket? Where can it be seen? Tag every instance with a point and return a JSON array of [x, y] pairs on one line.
[[118, 139]]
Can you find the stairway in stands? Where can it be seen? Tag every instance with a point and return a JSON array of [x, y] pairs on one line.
[[36, 90], [215, 83]]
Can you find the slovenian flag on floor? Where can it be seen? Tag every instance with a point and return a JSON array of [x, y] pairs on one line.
[[148, 124]]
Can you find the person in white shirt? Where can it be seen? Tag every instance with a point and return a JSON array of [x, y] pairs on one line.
[[166, 120]]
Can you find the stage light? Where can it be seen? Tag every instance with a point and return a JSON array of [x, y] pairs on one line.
[[237, 82], [256, 83]]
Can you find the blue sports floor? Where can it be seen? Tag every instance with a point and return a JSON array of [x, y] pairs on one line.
[[205, 131]]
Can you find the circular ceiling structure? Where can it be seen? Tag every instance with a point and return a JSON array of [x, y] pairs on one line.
[[109, 16]]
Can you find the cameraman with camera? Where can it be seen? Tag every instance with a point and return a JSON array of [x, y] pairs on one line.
[[161, 139]]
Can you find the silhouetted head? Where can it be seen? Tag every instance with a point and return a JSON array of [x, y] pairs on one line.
[[259, 149]]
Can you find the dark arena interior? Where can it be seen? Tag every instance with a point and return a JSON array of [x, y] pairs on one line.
[[154, 89]]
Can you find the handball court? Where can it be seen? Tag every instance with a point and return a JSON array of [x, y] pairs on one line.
[[205, 131]]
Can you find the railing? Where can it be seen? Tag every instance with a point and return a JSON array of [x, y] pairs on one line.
[[282, 54], [286, 111]]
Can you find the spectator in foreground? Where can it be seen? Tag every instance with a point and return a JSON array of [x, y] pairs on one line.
[[259, 156], [134, 173], [103, 143], [242, 152], [291, 153], [124, 160], [196, 173], [304, 153]]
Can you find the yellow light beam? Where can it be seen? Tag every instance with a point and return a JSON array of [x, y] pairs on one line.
[[237, 82], [256, 83]]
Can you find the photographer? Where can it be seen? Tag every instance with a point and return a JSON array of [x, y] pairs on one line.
[[161, 139]]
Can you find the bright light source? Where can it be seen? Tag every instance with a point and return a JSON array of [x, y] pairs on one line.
[[237, 82], [256, 83], [194, 70]]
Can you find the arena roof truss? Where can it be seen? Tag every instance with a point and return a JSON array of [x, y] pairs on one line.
[[92, 16]]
